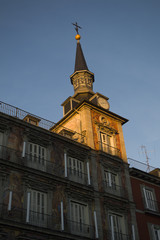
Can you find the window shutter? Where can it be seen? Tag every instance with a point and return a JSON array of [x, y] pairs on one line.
[[112, 227], [133, 232], [10, 201], [145, 196], [28, 206], [95, 222], [109, 179], [65, 164], [62, 217], [24, 149], [88, 173]]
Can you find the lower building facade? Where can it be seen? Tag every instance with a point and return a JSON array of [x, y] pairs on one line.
[[52, 187]]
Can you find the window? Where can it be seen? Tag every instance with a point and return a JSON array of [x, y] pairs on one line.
[[116, 223], [79, 218], [149, 199], [36, 156], [76, 170], [107, 143], [38, 208], [111, 180], [156, 232]]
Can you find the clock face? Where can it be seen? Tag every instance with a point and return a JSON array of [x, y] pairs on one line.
[[103, 103]]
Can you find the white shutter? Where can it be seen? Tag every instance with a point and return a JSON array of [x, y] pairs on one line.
[[133, 232], [88, 173], [109, 179], [65, 164], [10, 201], [62, 217], [112, 227], [95, 222], [28, 206], [145, 196], [24, 149]]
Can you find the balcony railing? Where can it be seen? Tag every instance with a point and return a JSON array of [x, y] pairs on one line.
[[19, 215], [77, 176], [109, 149], [43, 123], [139, 165], [114, 189], [35, 218], [117, 236], [151, 205], [79, 228], [13, 156]]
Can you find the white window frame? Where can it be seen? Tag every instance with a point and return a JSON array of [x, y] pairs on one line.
[[117, 226], [76, 169], [156, 232], [37, 156], [79, 216], [111, 179], [107, 142], [37, 207], [149, 197]]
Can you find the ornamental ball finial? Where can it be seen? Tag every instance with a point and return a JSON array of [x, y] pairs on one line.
[[77, 37]]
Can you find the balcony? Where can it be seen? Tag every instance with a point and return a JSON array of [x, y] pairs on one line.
[[114, 189], [112, 235], [80, 229], [12, 156], [19, 215], [77, 176], [109, 149]]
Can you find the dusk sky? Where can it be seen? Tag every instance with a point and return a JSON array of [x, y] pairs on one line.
[[121, 44]]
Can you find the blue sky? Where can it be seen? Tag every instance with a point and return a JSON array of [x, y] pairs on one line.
[[120, 41]]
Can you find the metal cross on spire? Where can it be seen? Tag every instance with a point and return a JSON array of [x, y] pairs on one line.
[[76, 27]]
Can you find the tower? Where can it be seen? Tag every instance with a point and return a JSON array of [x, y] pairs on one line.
[[87, 117]]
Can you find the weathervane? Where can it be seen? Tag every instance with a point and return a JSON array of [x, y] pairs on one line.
[[76, 27]]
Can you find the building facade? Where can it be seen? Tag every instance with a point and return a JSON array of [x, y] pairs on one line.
[[68, 180], [146, 195]]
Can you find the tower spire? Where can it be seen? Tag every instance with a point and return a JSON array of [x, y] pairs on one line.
[[80, 62], [82, 79]]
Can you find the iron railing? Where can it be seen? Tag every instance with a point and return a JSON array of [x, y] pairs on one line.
[[43, 123], [114, 189], [139, 165], [13, 156], [112, 235], [151, 205], [77, 176], [43, 220], [79, 228], [35, 218], [41, 164], [109, 149]]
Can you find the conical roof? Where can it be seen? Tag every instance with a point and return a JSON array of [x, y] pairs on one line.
[[80, 62]]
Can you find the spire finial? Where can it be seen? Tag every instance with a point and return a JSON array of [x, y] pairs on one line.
[[77, 37]]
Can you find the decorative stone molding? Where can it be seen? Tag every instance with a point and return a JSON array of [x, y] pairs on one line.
[[105, 126]]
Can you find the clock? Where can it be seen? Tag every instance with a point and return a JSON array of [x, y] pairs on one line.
[[103, 103]]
